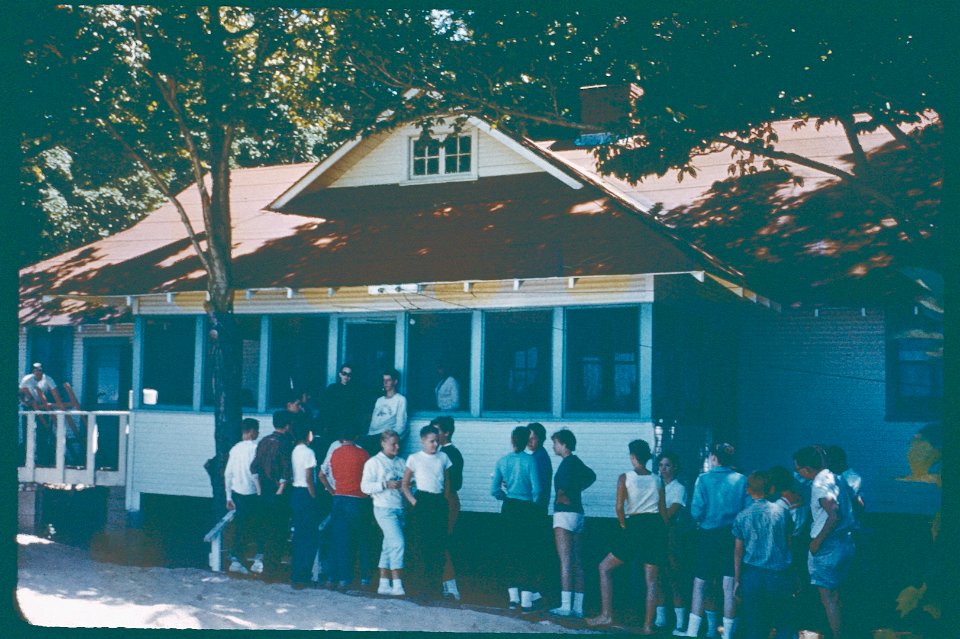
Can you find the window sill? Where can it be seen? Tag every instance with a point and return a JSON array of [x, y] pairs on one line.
[[436, 179]]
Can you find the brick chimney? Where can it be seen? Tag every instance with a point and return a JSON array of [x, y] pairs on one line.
[[602, 104]]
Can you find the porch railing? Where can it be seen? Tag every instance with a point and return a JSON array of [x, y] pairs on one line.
[[215, 539], [83, 426]]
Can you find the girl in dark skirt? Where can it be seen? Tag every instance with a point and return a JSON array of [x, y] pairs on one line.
[[641, 509]]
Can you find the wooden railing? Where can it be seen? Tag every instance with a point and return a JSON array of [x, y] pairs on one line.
[[215, 539], [66, 468]]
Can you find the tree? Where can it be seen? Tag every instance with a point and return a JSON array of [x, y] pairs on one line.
[[181, 94]]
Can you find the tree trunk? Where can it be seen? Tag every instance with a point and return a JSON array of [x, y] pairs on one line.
[[225, 353]]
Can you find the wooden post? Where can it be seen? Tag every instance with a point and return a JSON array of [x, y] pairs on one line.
[[92, 440], [31, 446], [61, 448]]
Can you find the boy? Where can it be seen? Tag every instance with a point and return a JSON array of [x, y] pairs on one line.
[[350, 516], [831, 544], [762, 562], [271, 464], [718, 497], [389, 412], [430, 470], [242, 488], [303, 507], [445, 429]]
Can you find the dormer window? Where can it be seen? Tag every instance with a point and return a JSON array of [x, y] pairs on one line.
[[452, 156]]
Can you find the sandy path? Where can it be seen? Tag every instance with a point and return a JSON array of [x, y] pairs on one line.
[[61, 586]]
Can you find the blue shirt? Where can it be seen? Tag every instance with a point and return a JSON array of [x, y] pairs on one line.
[[544, 473], [516, 477], [573, 477], [718, 496], [764, 527]]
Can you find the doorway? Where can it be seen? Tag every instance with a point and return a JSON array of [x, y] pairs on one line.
[[369, 346], [108, 364]]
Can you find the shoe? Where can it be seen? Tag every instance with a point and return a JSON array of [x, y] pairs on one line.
[[397, 591], [561, 612], [680, 633], [513, 605], [385, 589], [257, 566], [236, 566], [364, 582]]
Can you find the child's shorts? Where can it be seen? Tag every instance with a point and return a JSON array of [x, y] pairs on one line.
[[829, 567], [644, 538], [569, 521]]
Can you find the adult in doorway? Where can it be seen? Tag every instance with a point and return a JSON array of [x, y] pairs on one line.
[[447, 390], [389, 413], [36, 389]]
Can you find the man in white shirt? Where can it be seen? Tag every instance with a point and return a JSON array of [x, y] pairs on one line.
[[35, 386], [389, 413]]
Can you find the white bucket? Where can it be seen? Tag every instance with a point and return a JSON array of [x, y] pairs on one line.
[[150, 396]]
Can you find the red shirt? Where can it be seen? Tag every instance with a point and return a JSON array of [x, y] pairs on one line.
[[346, 465]]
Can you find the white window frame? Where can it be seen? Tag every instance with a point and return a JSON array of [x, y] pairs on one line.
[[442, 176]]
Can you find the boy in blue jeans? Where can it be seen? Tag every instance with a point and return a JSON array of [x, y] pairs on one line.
[[762, 563]]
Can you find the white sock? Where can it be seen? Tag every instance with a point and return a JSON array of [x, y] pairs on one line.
[[711, 623], [693, 625], [450, 586], [514, 594], [384, 582], [729, 627], [535, 595], [566, 598], [578, 603], [680, 613], [526, 599], [661, 619]]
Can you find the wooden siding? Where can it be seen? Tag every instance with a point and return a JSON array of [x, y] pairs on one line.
[[807, 380], [384, 160], [187, 437]]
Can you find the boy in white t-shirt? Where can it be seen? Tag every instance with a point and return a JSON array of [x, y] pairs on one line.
[[429, 469], [242, 488], [303, 507]]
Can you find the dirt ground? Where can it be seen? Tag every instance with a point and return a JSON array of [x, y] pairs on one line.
[[61, 586]]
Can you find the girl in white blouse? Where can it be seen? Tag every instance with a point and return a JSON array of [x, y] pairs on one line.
[[381, 479]]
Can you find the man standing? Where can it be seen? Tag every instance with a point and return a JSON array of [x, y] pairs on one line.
[[389, 413], [447, 390], [833, 521], [272, 464], [35, 390]]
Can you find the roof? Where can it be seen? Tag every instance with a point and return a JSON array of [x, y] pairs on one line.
[[525, 226]]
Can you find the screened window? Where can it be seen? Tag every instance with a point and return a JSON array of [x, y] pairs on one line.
[[53, 349], [451, 156], [915, 367], [168, 358], [249, 326], [602, 360], [517, 361], [439, 343], [298, 356]]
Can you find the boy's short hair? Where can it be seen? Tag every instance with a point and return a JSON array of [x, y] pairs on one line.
[[566, 437], [672, 456], [389, 434], [282, 419], [640, 449], [757, 483], [836, 459], [780, 479], [248, 424], [519, 438], [538, 428], [301, 430], [426, 430], [444, 423], [810, 457], [724, 452], [394, 373]]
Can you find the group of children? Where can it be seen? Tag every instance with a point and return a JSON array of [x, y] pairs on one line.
[[756, 537]]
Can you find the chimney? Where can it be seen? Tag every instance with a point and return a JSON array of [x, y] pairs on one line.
[[603, 104]]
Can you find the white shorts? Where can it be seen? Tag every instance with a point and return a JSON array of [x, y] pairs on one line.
[[569, 521]]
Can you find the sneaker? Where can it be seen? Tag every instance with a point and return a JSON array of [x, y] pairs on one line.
[[561, 612], [236, 566], [680, 633], [397, 590], [257, 566], [513, 605], [385, 589]]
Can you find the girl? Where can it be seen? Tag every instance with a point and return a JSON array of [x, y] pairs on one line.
[[516, 483], [430, 470], [641, 509], [572, 478], [381, 479], [677, 543]]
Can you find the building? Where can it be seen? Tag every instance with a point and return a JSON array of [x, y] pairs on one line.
[[551, 293]]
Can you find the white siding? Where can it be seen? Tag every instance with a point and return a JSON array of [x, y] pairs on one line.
[[821, 380], [386, 163], [170, 449]]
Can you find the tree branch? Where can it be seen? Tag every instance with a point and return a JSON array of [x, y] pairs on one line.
[[162, 185], [860, 162]]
